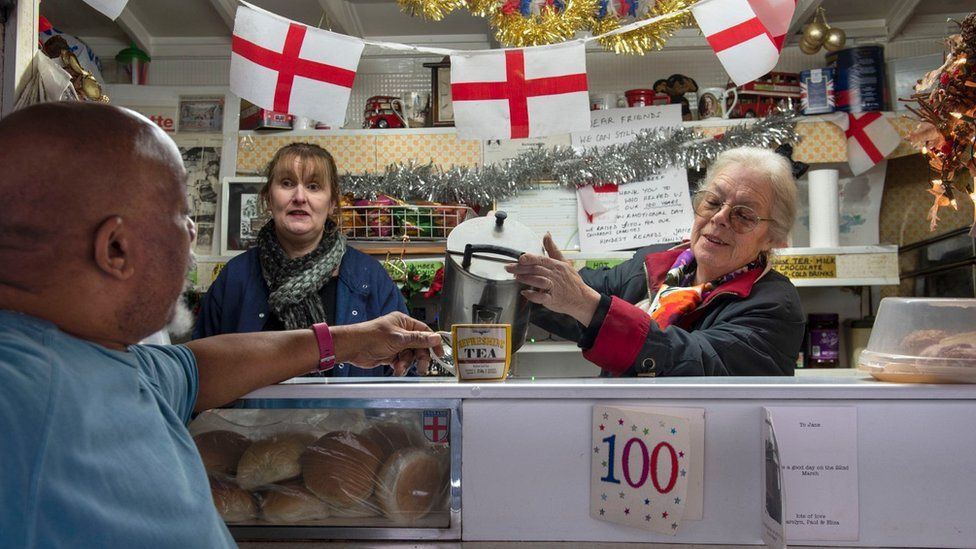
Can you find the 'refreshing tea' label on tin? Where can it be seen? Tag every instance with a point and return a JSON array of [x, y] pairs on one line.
[[481, 351]]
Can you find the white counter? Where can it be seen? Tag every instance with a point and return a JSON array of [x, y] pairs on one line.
[[525, 453]]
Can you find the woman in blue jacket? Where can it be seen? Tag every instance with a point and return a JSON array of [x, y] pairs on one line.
[[301, 272]]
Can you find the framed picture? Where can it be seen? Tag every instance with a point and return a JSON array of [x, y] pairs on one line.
[[441, 107], [201, 114], [241, 214], [202, 162]]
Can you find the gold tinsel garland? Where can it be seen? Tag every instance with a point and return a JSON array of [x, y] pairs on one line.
[[649, 37], [549, 27], [433, 10], [946, 103]]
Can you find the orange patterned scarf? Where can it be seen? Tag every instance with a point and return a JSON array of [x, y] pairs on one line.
[[677, 296]]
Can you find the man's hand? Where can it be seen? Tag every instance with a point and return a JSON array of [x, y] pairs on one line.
[[394, 339]]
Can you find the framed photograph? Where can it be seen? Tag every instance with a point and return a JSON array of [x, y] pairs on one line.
[[202, 162], [441, 107], [241, 214], [201, 114]]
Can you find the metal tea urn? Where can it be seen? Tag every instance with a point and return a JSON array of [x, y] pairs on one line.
[[477, 288]]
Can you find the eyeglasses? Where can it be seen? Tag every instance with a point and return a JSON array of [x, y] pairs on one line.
[[743, 219]]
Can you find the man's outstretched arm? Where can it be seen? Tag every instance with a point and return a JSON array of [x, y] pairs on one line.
[[232, 365]]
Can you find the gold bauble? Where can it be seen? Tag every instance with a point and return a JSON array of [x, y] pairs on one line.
[[815, 33], [807, 48], [835, 39]]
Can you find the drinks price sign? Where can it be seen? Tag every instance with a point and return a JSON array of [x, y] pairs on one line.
[[640, 468]]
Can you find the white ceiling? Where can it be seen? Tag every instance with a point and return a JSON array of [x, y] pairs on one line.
[[201, 28]]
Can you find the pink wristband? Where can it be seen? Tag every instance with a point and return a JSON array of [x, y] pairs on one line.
[[327, 357]]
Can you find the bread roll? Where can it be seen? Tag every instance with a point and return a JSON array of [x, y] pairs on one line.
[[221, 450], [233, 504], [292, 502], [915, 341], [272, 459], [411, 483], [361, 509], [391, 436], [341, 468], [966, 352]]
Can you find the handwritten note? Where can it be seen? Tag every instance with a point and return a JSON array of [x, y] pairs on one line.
[[649, 212], [818, 461], [609, 127]]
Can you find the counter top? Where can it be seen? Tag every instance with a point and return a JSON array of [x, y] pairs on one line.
[[851, 384]]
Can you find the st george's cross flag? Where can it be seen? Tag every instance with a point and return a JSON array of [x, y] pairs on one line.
[[288, 67], [747, 35], [870, 139], [518, 93]]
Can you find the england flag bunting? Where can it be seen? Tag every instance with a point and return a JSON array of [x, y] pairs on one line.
[[870, 139], [518, 93], [747, 35], [285, 66]]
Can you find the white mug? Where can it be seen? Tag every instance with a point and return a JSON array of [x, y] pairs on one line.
[[415, 106], [712, 102]]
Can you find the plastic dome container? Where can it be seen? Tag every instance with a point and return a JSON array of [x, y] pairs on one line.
[[923, 340]]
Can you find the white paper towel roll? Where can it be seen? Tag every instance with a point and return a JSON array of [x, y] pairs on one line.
[[824, 209]]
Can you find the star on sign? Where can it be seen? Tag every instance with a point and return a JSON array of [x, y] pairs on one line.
[[681, 454], [683, 472], [647, 501], [674, 525], [646, 430], [602, 427], [602, 512], [603, 497], [621, 495], [660, 424], [620, 421], [596, 450], [677, 501], [627, 511], [647, 518], [633, 427], [664, 514], [606, 415], [674, 431], [603, 464]]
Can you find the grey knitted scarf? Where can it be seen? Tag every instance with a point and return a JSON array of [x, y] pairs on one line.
[[295, 283]]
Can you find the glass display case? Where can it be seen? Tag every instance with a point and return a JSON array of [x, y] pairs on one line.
[[335, 468]]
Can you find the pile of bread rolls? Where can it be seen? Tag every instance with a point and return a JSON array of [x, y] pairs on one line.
[[386, 469]]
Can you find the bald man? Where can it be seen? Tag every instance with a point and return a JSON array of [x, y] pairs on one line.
[[94, 249]]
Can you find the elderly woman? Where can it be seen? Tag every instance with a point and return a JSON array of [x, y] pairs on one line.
[[709, 307], [301, 272]]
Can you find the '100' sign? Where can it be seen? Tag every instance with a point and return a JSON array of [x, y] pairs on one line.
[[636, 456]]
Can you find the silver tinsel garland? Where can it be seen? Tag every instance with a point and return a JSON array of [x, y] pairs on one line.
[[650, 152]]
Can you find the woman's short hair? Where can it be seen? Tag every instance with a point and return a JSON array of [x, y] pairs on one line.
[[325, 165], [779, 173]]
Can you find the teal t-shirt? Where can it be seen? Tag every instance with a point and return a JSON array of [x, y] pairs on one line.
[[94, 450]]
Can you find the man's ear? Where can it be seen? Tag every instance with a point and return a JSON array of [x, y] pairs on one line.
[[113, 252]]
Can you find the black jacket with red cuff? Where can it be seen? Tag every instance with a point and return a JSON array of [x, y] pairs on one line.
[[751, 326]]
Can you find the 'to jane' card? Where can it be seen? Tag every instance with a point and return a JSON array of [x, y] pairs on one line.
[[640, 468]]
